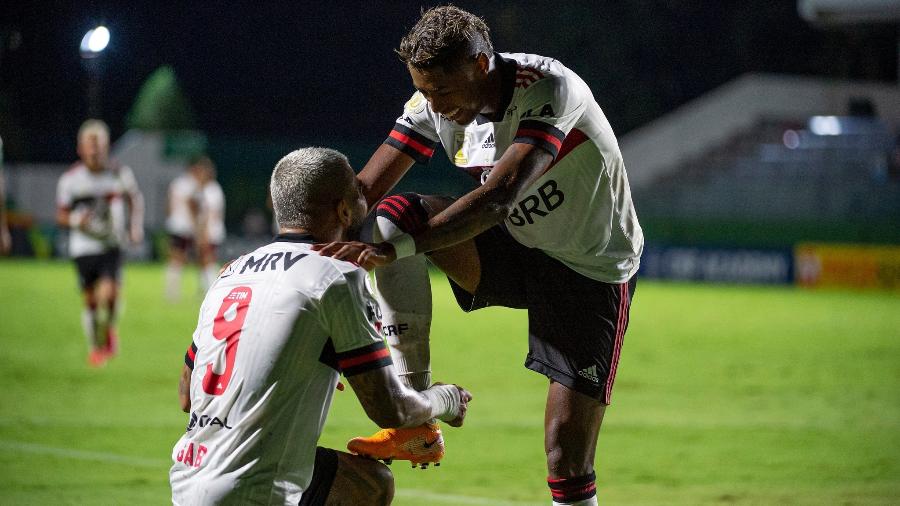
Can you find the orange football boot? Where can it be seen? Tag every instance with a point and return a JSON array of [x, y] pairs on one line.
[[420, 445]]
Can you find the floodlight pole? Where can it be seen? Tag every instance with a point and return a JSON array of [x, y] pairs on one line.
[[93, 44]]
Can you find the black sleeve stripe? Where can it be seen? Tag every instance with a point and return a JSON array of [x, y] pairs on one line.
[[189, 356], [530, 124], [359, 352], [405, 130], [367, 358], [541, 143], [368, 366], [329, 356], [412, 143], [540, 134], [408, 150]]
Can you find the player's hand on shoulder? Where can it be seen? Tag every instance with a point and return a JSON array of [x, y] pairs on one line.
[[366, 255]]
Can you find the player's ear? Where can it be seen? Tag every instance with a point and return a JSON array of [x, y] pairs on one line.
[[482, 63], [344, 213]]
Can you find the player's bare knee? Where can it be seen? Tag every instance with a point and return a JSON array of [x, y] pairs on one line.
[[362, 481], [568, 464], [383, 484]]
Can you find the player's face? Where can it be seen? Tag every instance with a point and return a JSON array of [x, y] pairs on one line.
[[93, 151], [358, 208], [457, 94]]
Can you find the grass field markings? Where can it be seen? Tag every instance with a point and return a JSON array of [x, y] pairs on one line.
[[69, 453], [424, 495]]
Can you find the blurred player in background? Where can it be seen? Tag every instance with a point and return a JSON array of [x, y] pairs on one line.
[[274, 331], [5, 238], [551, 229], [196, 220], [91, 200]]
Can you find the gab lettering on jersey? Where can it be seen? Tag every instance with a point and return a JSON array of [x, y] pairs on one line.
[[191, 455], [530, 207]]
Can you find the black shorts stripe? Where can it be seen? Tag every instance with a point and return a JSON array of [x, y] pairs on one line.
[[325, 468]]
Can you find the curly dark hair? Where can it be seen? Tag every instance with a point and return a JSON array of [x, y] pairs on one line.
[[444, 36]]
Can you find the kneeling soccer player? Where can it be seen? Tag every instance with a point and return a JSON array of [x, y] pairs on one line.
[[274, 331]]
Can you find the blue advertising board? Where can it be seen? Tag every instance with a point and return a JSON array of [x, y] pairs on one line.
[[769, 266]]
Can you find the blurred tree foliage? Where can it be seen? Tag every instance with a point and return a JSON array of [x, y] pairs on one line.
[[161, 104]]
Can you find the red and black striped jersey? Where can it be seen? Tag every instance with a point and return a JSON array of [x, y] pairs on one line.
[[580, 210]]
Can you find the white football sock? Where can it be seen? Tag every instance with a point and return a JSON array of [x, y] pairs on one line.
[[404, 295], [103, 318], [591, 501], [173, 281], [89, 325]]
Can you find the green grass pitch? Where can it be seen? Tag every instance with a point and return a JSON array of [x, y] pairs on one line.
[[725, 395]]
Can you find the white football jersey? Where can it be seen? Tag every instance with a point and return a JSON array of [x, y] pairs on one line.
[[580, 210], [214, 212], [184, 193], [102, 195], [273, 332], [208, 200]]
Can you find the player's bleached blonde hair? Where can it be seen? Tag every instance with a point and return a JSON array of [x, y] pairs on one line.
[[307, 183], [94, 127], [443, 37]]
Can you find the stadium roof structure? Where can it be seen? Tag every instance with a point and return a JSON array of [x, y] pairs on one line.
[[845, 12]]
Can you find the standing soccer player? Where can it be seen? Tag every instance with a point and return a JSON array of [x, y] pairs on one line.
[[196, 220], [91, 200], [274, 331], [551, 229]]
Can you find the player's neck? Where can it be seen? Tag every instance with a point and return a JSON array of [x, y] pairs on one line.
[[330, 235], [492, 90]]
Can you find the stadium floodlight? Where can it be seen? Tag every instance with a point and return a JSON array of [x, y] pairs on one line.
[[825, 125], [94, 42]]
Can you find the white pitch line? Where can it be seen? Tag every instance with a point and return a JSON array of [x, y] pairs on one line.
[[69, 453], [455, 499]]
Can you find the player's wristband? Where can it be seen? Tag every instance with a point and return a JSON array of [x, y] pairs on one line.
[[444, 400], [404, 245]]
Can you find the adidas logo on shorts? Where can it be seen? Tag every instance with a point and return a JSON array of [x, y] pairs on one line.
[[590, 373]]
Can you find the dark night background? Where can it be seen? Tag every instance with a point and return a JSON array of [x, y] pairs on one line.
[[317, 71]]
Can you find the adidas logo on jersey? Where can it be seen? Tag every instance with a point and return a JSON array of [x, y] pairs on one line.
[[489, 142], [590, 373]]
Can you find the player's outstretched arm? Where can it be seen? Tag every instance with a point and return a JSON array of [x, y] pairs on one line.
[[389, 403], [467, 217], [387, 165]]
